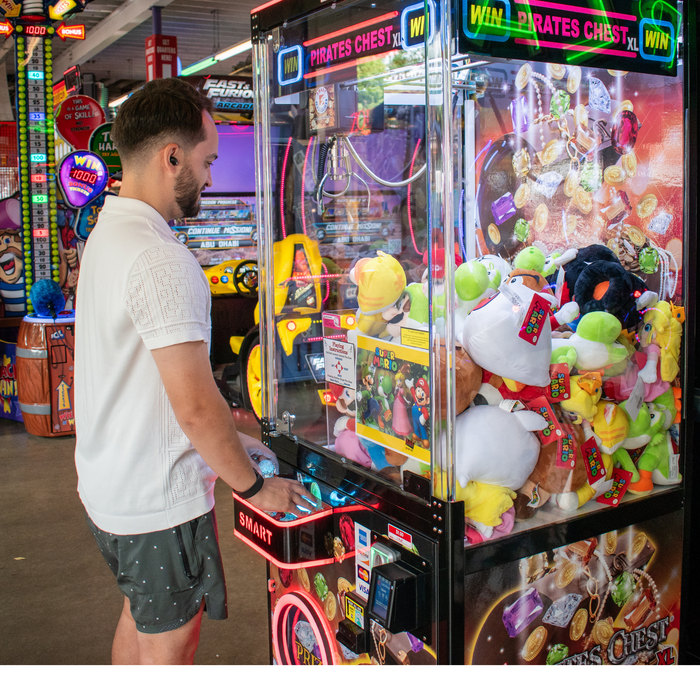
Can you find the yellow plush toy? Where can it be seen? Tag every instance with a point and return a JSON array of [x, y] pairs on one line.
[[662, 328], [380, 282], [585, 390]]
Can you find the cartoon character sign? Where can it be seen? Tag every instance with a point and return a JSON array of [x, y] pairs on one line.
[[393, 401], [11, 273]]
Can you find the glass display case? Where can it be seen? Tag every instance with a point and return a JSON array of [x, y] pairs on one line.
[[481, 211]]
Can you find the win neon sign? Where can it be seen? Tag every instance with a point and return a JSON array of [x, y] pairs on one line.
[[487, 21], [413, 25]]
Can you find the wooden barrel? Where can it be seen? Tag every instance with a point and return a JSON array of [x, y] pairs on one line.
[[35, 383]]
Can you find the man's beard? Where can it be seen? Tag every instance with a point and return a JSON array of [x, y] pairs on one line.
[[187, 193]]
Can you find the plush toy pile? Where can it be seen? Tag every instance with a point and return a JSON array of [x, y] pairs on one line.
[[566, 382]]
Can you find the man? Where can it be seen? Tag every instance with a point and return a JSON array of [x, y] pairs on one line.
[[153, 432]]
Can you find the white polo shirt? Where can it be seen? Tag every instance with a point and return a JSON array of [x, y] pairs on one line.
[[139, 289]]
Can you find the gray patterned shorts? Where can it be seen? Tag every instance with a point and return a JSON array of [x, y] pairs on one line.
[[166, 574]]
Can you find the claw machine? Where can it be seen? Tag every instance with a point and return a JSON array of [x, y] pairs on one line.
[[500, 439]]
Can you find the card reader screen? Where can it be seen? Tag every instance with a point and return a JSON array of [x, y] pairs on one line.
[[380, 604]]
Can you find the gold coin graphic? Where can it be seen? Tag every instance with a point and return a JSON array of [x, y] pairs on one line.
[[616, 73], [523, 76], [304, 579], [578, 625], [329, 607], [574, 79], [541, 217], [580, 116], [556, 71], [522, 195], [494, 234], [638, 543], [534, 644], [551, 151], [629, 163], [571, 182], [635, 235], [344, 585], [583, 200], [646, 205], [571, 223], [610, 542], [565, 575], [602, 632], [614, 174]]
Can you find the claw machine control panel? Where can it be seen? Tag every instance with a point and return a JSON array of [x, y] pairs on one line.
[[501, 416]]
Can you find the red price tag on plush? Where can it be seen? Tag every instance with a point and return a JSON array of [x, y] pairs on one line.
[[536, 320], [621, 481], [594, 462], [559, 388], [566, 452], [553, 431]]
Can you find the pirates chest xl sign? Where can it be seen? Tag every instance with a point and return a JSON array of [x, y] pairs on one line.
[[639, 36]]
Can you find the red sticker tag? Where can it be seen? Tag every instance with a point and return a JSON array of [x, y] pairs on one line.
[[594, 462], [553, 431], [559, 388], [621, 481], [566, 452], [536, 320]]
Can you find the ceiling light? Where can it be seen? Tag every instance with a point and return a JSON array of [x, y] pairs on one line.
[[234, 50], [201, 65], [120, 100]]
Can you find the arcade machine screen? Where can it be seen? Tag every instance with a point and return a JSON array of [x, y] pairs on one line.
[[225, 228]]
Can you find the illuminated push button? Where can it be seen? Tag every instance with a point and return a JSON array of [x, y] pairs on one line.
[[214, 279], [224, 279]]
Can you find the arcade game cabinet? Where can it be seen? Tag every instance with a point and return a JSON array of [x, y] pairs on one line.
[[500, 443]]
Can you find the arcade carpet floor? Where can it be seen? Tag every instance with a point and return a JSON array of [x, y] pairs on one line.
[[59, 603]]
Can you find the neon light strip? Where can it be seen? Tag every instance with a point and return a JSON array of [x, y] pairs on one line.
[[303, 185], [286, 565], [284, 165], [283, 627], [262, 7], [307, 606], [580, 10], [408, 197], [345, 30], [573, 47], [286, 523], [349, 64]]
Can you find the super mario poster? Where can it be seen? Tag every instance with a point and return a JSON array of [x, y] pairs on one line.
[[393, 397]]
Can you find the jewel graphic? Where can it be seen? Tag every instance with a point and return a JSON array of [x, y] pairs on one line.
[[503, 208], [547, 183], [591, 177], [521, 162], [623, 588], [522, 612], [559, 103], [557, 654], [624, 132], [659, 224], [598, 95], [321, 586], [518, 114], [648, 260], [522, 230], [305, 634], [561, 612]]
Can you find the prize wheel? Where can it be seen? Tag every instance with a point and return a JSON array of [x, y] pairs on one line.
[[253, 379], [301, 633]]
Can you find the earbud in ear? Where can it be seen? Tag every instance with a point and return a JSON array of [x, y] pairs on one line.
[[173, 160]]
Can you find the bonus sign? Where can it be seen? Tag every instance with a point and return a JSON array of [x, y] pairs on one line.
[[83, 177], [76, 119]]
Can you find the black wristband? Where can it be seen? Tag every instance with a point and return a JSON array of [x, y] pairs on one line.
[[245, 495]]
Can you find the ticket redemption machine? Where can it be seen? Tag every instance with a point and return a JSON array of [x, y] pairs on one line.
[[500, 479]]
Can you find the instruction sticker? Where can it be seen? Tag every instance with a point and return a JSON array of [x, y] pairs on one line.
[[339, 360]]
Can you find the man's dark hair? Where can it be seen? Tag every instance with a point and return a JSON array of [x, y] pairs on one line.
[[162, 111]]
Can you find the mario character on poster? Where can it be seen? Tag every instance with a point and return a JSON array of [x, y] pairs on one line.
[[393, 397]]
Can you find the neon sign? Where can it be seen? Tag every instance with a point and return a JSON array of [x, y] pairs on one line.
[[641, 35], [413, 25], [290, 65], [82, 177]]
